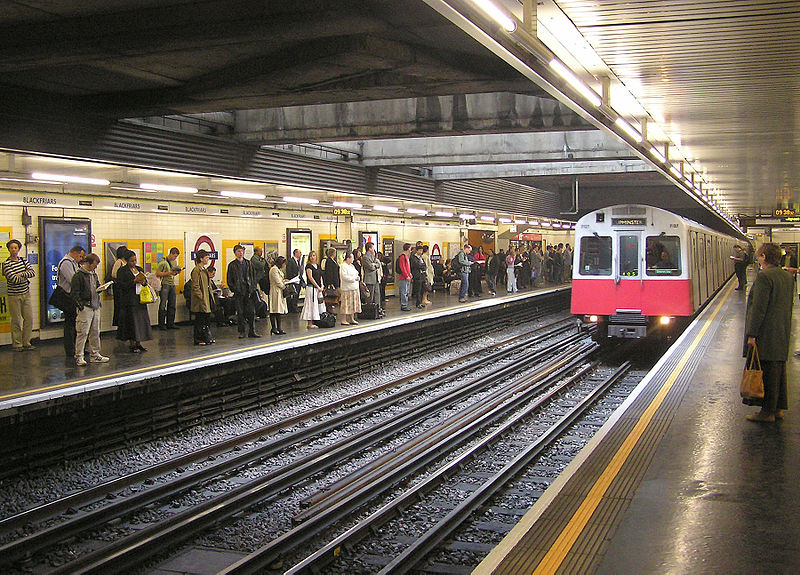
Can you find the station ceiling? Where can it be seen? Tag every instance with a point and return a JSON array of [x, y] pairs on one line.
[[719, 79]]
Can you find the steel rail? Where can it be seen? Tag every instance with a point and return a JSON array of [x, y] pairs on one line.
[[332, 550], [35, 542], [269, 553], [128, 551]]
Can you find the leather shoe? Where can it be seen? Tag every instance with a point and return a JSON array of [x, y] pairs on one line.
[[779, 414], [254, 334], [758, 416], [242, 336], [173, 327]]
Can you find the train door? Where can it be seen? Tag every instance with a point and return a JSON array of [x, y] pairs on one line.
[[629, 274], [694, 254], [705, 263]]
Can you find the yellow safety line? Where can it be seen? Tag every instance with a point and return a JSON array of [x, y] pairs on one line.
[[558, 551]]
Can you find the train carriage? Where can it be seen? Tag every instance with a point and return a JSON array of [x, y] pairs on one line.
[[639, 268]]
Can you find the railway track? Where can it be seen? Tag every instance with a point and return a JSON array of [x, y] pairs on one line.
[[226, 458]]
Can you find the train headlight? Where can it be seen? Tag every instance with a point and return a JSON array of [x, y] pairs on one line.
[[592, 318], [664, 320]]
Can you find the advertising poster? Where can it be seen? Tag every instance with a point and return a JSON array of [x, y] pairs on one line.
[[209, 241], [271, 252], [152, 253], [5, 318], [298, 240], [387, 248], [364, 237], [110, 253], [57, 236]]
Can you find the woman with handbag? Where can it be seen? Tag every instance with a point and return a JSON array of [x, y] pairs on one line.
[[768, 325], [313, 291], [277, 301], [134, 320], [349, 296], [202, 298]]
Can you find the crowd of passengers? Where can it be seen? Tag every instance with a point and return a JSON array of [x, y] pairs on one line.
[[354, 287]]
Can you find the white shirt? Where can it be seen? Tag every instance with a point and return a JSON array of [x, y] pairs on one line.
[[348, 277]]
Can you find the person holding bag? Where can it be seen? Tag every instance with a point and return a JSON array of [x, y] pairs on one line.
[[768, 326], [313, 291], [277, 303], [202, 298], [134, 320]]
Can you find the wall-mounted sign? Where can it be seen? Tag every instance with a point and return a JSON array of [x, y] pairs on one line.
[[781, 212], [342, 212]]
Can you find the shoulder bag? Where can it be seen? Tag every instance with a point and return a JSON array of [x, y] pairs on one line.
[[752, 386]]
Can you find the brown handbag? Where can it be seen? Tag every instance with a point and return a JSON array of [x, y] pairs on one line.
[[752, 378]]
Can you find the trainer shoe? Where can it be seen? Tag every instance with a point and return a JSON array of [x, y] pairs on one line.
[[80, 362], [98, 359]]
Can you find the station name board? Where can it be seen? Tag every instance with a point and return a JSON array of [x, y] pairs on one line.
[[628, 221]]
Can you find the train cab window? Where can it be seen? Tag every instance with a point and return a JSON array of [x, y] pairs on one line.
[[595, 256], [663, 256], [629, 256]]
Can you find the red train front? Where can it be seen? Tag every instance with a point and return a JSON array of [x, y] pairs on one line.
[[638, 268]]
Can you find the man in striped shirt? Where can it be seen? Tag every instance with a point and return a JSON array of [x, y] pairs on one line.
[[18, 272]]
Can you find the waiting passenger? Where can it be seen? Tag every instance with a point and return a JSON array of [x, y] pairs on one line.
[[511, 263], [426, 257], [371, 267], [313, 291], [119, 263], [84, 291], [259, 268], [294, 269], [768, 326], [66, 269], [201, 300], [464, 269], [134, 320], [418, 269], [18, 272], [241, 282], [349, 298], [277, 303], [403, 271], [167, 269]]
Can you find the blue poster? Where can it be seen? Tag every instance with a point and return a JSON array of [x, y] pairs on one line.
[[57, 236]]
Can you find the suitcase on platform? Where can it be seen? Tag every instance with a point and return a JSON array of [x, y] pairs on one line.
[[325, 320], [455, 287], [369, 311]]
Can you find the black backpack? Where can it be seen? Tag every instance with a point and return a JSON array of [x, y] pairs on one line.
[[397, 264], [455, 265], [187, 293]]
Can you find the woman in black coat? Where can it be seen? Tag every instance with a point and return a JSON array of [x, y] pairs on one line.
[[134, 320]]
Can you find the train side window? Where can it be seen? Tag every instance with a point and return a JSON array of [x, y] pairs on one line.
[[629, 256], [663, 256], [595, 256]]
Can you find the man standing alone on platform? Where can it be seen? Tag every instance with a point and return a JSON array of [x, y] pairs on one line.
[[66, 269], [465, 267], [242, 284], [18, 273], [167, 270], [741, 260]]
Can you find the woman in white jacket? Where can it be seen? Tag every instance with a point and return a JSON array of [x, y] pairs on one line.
[[349, 296]]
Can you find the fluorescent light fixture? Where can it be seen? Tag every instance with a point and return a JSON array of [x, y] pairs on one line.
[[659, 156], [390, 209], [534, 223], [556, 225], [520, 221], [496, 14], [353, 205], [628, 129], [167, 188], [576, 82], [546, 224], [467, 216], [417, 211], [296, 200], [675, 172], [27, 181], [504, 220], [69, 179], [444, 214], [487, 219], [245, 195]]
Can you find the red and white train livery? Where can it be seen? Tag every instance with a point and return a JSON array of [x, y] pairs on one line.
[[638, 268]]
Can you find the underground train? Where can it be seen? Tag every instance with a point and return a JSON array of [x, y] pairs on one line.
[[640, 269]]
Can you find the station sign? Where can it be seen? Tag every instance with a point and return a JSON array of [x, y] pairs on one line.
[[628, 221]]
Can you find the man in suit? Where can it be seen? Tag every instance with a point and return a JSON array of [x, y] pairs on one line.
[[295, 268], [370, 266], [241, 282]]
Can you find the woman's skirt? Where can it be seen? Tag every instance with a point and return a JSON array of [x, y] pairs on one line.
[[134, 323], [349, 302], [311, 306]]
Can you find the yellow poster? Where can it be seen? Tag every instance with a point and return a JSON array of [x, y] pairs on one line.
[[5, 318]]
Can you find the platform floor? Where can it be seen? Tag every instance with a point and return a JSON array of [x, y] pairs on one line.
[[699, 490], [46, 372]]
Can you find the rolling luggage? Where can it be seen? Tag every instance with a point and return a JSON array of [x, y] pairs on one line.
[[455, 287], [325, 320], [369, 311]]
